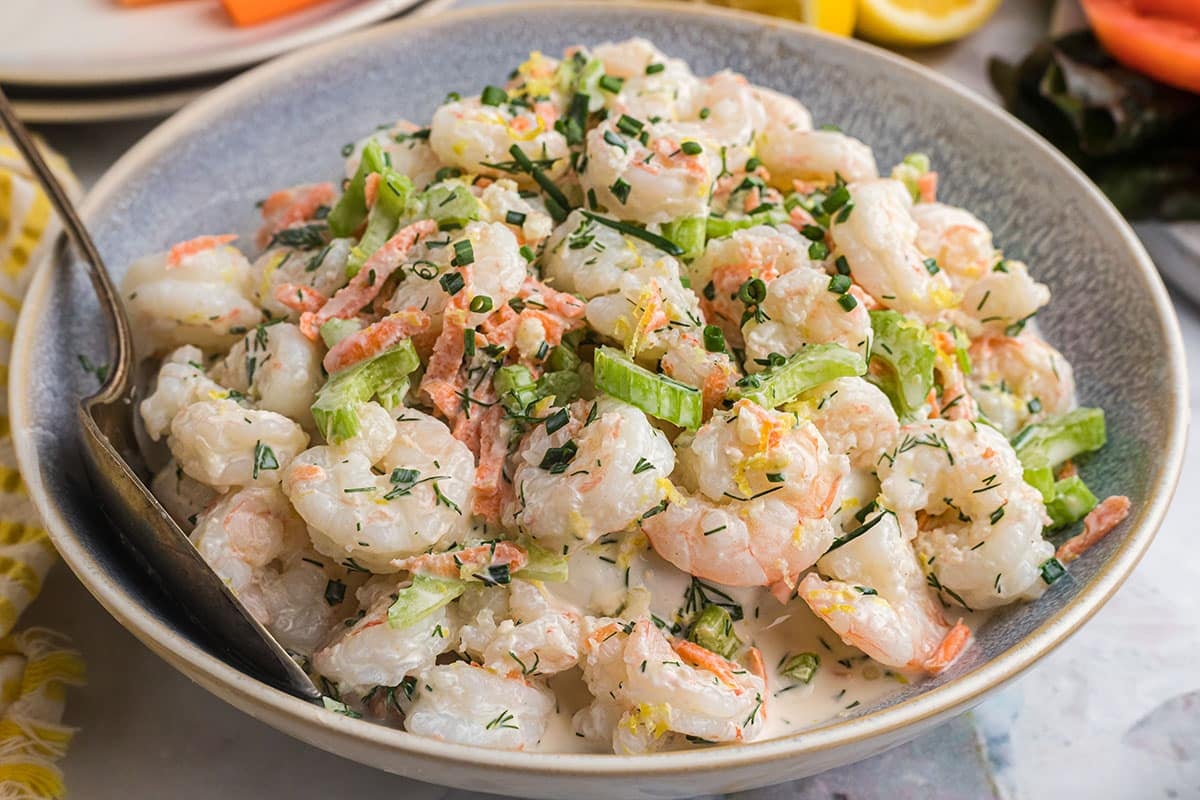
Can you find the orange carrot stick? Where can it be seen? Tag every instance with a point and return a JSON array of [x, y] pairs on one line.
[[252, 12]]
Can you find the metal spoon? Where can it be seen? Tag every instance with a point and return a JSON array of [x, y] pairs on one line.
[[106, 419]]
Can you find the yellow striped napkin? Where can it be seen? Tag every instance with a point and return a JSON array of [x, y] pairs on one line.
[[36, 665]]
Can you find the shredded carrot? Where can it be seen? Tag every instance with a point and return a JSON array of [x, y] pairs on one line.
[[704, 658], [952, 646], [1067, 470], [198, 245], [490, 484], [290, 206], [1108, 514], [375, 338], [371, 189], [252, 12], [299, 297], [441, 382]]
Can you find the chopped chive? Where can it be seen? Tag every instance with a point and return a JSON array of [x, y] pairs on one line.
[[463, 254], [848, 302], [629, 125], [666, 245], [714, 339], [452, 283], [843, 266], [931, 266], [691, 148], [514, 218], [611, 83], [493, 96], [481, 303], [654, 69], [1052, 569], [818, 251], [839, 284], [620, 190]]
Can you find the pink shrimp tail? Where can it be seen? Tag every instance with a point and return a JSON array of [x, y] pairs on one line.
[[375, 338], [197, 245], [953, 644]]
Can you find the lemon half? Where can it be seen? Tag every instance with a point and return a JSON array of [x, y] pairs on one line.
[[831, 16], [916, 23]]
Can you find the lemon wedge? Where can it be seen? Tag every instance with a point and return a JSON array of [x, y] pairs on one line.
[[831, 16], [916, 23]]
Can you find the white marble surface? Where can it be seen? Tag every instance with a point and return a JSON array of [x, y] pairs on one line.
[[1069, 728]]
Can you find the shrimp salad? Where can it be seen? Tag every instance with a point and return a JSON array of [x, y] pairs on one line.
[[618, 409]]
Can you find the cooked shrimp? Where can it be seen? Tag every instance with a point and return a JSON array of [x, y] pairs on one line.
[[854, 417], [277, 368], [1019, 380], [407, 148], [535, 636], [792, 154], [285, 280], [373, 653], [665, 93], [651, 686], [288, 207], [878, 599], [472, 136], [727, 111], [727, 264], [467, 704], [597, 474], [503, 203], [959, 241], [420, 498], [649, 302], [659, 181], [369, 280], [981, 538], [878, 240], [588, 259], [181, 382], [754, 509], [222, 445], [800, 309], [497, 271], [198, 294], [255, 542], [687, 360]]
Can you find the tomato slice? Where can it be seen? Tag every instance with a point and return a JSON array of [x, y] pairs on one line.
[[1188, 10], [1160, 38]]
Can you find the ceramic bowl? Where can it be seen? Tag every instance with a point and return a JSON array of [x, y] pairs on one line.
[[285, 122]]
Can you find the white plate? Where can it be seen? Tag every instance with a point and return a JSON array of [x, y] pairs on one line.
[[104, 108], [94, 42]]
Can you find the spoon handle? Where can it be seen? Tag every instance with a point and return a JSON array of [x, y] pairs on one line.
[[78, 234]]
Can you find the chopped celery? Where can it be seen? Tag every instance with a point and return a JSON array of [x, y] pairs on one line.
[[451, 205], [688, 233], [351, 208], [1071, 502], [581, 75], [659, 396], [543, 564], [562, 384], [812, 366], [423, 597], [516, 387], [902, 357], [1053, 441], [392, 201], [334, 330], [713, 630], [720, 227], [910, 170], [1042, 479], [386, 375], [801, 667], [562, 357]]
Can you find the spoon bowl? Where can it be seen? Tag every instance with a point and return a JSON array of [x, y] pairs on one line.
[[110, 448]]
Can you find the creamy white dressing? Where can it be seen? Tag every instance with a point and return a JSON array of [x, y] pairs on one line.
[[845, 680]]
